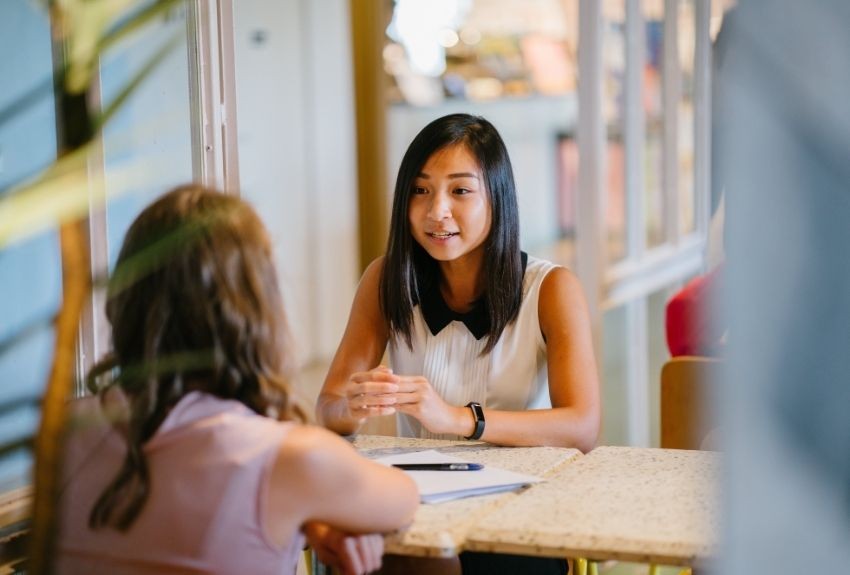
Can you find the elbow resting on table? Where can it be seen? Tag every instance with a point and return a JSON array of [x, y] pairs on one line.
[[584, 431], [586, 444], [566, 427], [591, 435], [411, 501]]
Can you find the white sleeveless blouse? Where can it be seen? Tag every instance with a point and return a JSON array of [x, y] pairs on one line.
[[512, 377]]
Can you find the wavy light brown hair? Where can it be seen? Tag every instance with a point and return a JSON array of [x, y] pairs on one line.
[[194, 305]]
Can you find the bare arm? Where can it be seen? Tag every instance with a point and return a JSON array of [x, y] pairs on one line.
[[319, 477], [574, 418], [353, 389], [573, 383]]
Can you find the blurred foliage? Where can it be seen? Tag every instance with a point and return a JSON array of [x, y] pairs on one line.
[[60, 197], [86, 29]]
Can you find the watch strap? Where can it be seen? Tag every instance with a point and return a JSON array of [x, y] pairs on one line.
[[478, 415]]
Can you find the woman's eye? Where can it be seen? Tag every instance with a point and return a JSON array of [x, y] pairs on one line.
[[461, 191], [419, 190]]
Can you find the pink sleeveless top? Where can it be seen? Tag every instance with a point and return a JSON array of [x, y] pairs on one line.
[[209, 463]]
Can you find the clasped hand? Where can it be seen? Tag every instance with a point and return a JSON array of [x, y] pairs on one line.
[[381, 392], [351, 554]]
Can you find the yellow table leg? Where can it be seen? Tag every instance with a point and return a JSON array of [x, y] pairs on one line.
[[594, 567], [581, 566], [654, 570]]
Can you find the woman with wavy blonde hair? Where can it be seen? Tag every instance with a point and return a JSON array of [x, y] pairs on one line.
[[192, 455]]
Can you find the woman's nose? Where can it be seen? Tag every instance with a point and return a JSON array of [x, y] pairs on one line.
[[439, 208]]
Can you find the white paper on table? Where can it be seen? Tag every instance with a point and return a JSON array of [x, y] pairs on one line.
[[439, 486]]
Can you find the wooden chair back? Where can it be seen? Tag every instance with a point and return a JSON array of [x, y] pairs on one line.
[[686, 417]]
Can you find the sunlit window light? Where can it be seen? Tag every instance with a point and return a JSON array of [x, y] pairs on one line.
[[417, 25], [470, 36], [447, 38]]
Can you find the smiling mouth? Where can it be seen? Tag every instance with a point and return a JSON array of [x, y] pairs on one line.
[[441, 235]]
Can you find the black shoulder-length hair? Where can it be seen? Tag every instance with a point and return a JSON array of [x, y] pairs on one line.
[[408, 269]]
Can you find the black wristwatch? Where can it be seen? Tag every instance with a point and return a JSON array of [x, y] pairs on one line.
[[478, 414]]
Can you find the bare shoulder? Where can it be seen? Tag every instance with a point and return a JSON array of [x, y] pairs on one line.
[[369, 286], [372, 274], [316, 474], [560, 287], [313, 460], [311, 449], [366, 320], [303, 477], [562, 307]]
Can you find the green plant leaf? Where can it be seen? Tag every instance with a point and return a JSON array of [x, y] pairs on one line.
[[82, 23], [65, 191], [140, 76], [129, 26], [17, 444], [111, 36], [27, 332]]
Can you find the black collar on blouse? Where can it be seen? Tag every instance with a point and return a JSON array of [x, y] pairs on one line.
[[438, 314]]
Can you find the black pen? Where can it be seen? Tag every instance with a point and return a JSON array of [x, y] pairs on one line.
[[439, 466]]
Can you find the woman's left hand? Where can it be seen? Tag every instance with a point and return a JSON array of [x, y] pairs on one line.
[[417, 398]]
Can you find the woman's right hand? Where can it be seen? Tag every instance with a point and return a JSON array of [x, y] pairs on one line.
[[371, 393]]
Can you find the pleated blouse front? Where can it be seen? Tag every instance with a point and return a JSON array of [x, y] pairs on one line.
[[513, 376]]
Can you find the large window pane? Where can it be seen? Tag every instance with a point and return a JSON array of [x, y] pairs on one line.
[[619, 339], [657, 354], [30, 268], [614, 377], [147, 147]]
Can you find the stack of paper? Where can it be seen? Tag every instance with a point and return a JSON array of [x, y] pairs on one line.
[[439, 486]]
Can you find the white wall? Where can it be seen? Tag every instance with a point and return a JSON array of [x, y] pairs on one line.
[[297, 156]]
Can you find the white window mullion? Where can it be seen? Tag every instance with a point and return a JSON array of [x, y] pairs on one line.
[[702, 116], [671, 94], [227, 87], [660, 267], [590, 225], [635, 131], [212, 87], [637, 373], [636, 384], [93, 332]]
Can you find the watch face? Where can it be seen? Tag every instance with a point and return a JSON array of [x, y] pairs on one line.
[[478, 414], [477, 410]]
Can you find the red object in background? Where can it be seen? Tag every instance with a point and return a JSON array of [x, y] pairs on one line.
[[692, 328]]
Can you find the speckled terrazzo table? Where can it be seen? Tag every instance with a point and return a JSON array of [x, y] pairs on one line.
[[633, 504], [441, 529]]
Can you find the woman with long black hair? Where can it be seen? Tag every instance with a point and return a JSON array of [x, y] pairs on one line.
[[484, 341], [467, 316]]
